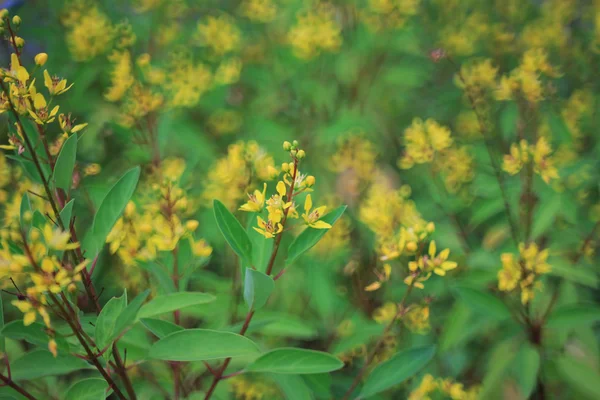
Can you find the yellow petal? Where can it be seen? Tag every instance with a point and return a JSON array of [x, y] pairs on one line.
[[320, 225], [39, 101], [281, 188], [308, 203], [373, 286]]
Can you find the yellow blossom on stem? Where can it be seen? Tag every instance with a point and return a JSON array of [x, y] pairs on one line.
[[55, 85], [40, 113], [256, 201], [312, 217]]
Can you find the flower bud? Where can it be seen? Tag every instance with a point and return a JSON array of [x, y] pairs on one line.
[[19, 41], [411, 246], [287, 146], [295, 143], [16, 21], [285, 167], [41, 59], [430, 227], [310, 180], [301, 154], [191, 225], [3, 13]]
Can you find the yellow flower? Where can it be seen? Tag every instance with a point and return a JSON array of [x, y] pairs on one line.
[[256, 201], [268, 228], [219, 34], [55, 85], [41, 115], [66, 124], [312, 217], [382, 278], [543, 163], [57, 239], [439, 263]]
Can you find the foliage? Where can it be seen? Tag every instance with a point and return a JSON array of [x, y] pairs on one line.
[[431, 232]]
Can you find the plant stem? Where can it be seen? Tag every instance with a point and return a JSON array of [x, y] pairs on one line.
[[9, 382], [289, 197], [375, 350]]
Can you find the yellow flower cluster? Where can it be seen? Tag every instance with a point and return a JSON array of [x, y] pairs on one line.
[[281, 206], [522, 272], [259, 10], [316, 31], [219, 34], [416, 318], [462, 28], [356, 154], [90, 32], [423, 140], [477, 78], [578, 106], [224, 122], [455, 164], [433, 262], [523, 153], [245, 388], [526, 79], [431, 388], [238, 172], [159, 222], [388, 14], [121, 78]]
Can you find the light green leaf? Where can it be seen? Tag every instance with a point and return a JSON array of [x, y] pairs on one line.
[[202, 344], [295, 361], [397, 369], [484, 303], [107, 320], [160, 328], [40, 363], [581, 377], [65, 163], [109, 211], [572, 316], [24, 208], [526, 367], [233, 232], [66, 213], [88, 389], [257, 288], [261, 246], [578, 274], [34, 334], [546, 215], [129, 315], [173, 301], [292, 386], [309, 237]]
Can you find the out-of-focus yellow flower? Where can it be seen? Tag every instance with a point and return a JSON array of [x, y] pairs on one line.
[[90, 31], [522, 273], [40, 113], [121, 78], [316, 31], [422, 142], [519, 156], [228, 71], [381, 278], [259, 10], [218, 34], [225, 121]]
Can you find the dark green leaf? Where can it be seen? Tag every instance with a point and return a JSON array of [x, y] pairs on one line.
[[484, 303], [261, 246], [581, 377], [526, 368], [572, 316], [201, 344], [295, 361], [107, 320], [309, 237], [397, 369], [257, 288], [128, 316], [233, 232], [66, 213], [40, 363]]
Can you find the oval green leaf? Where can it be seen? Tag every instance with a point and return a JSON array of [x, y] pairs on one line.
[[484, 303], [159, 327], [88, 389], [109, 211], [397, 369], [581, 377], [309, 237], [257, 288], [295, 361], [65, 163], [173, 301], [575, 315], [39, 363], [202, 344], [233, 232]]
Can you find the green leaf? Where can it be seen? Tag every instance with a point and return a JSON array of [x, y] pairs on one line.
[[257, 288], [526, 367], [109, 211], [261, 246], [578, 274], [34, 334], [65, 163], [128, 316], [581, 377], [160, 328], [309, 237], [500, 360], [295, 361], [202, 344], [107, 320], [397, 369], [24, 208], [88, 389], [233, 232], [66, 213], [40, 363], [545, 216], [572, 316], [174, 301], [292, 386], [484, 303]]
